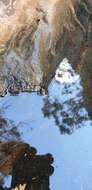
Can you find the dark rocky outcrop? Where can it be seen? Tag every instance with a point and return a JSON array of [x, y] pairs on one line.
[[32, 171], [28, 170], [85, 68], [86, 75], [10, 152]]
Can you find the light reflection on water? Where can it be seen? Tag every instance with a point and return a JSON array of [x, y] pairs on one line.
[[40, 121]]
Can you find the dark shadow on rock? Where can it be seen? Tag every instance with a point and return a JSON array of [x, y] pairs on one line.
[[32, 170], [29, 170]]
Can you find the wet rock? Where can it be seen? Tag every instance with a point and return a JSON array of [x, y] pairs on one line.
[[35, 36]]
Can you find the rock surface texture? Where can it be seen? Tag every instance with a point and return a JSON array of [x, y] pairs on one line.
[[10, 152], [28, 170], [36, 35]]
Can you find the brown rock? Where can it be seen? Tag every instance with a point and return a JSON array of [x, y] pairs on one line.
[[9, 153], [85, 67], [86, 74], [35, 36]]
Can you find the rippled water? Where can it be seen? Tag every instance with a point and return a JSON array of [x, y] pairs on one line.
[[58, 124]]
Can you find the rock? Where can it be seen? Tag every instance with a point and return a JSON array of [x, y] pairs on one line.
[[35, 36], [86, 75], [32, 172], [85, 68], [28, 170], [9, 153]]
